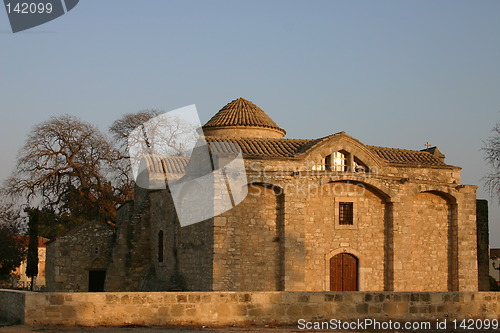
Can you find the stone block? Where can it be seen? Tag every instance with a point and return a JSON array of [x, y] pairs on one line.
[[177, 310]]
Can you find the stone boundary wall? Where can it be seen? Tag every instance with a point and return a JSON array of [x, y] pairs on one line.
[[225, 308], [12, 305]]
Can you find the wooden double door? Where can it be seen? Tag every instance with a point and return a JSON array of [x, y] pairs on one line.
[[344, 272]]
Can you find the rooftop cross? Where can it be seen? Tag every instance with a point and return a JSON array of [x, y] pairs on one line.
[[428, 145]]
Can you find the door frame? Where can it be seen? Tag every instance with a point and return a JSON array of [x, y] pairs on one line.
[[326, 269], [102, 274]]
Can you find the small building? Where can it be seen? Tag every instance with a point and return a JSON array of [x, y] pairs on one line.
[[331, 213], [78, 260], [20, 280]]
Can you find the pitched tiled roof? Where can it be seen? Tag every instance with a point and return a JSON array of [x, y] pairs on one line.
[[260, 147], [172, 164], [286, 148], [241, 112], [409, 157], [25, 239]]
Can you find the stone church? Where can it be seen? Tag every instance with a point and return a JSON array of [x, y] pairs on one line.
[[323, 214]]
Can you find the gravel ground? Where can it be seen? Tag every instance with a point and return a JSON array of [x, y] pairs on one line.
[[28, 329], [9, 328]]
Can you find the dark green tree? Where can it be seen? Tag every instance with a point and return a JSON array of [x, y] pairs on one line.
[[12, 251], [52, 225], [32, 260], [12, 247]]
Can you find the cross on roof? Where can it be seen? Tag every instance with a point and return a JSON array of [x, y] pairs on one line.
[[428, 145]]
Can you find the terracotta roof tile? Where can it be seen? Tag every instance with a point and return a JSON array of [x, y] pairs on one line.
[[286, 148], [25, 239], [173, 164], [409, 157], [241, 112], [256, 147]]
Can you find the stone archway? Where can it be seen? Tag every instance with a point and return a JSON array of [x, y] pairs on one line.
[[427, 244], [97, 276]]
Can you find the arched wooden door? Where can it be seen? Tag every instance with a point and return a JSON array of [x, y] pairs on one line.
[[344, 272]]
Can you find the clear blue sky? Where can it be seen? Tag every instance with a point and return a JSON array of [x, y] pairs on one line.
[[389, 73]]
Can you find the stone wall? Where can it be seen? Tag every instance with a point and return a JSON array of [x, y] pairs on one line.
[[424, 244], [325, 237], [12, 306], [131, 263], [186, 258], [71, 257], [226, 308], [247, 243]]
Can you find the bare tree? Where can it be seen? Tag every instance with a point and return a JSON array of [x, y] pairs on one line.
[[75, 172], [492, 150], [65, 165], [121, 128], [149, 132]]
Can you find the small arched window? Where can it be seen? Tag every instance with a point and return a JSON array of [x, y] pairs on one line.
[[160, 246], [339, 161]]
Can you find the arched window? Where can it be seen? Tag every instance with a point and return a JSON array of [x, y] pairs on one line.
[[160, 246], [339, 161]]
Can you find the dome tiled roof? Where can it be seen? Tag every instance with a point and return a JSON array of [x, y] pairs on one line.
[[241, 112]]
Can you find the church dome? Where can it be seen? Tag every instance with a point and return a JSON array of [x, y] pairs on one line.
[[242, 118]]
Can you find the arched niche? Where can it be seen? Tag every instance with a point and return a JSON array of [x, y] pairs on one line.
[[427, 243]]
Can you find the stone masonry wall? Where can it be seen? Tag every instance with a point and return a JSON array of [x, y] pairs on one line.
[[247, 243], [324, 237], [195, 254], [226, 308], [423, 240], [70, 257], [12, 306], [407, 212], [187, 251], [131, 265]]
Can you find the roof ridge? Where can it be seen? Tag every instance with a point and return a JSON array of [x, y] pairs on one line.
[[400, 149]]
